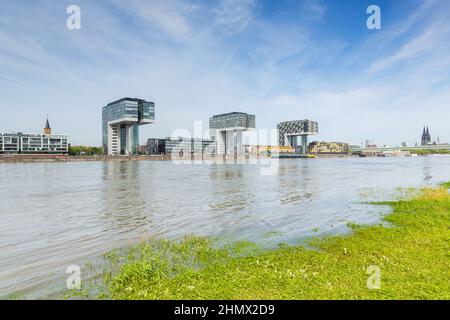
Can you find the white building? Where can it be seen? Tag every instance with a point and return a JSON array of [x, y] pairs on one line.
[[228, 131], [34, 143]]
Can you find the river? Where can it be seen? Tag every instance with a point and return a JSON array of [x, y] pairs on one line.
[[53, 215]]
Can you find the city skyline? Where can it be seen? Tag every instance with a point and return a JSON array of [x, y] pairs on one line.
[[279, 61]]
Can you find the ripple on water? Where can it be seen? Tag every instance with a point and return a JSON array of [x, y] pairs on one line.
[[57, 214]]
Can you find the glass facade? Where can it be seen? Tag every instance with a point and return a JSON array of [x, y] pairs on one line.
[[120, 124], [226, 129], [146, 110], [135, 138], [181, 146], [232, 120], [123, 138], [155, 146]]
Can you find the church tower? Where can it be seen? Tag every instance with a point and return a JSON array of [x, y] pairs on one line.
[[47, 129], [424, 137]]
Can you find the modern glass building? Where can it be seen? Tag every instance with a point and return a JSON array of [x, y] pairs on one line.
[[227, 130], [290, 131], [120, 124]]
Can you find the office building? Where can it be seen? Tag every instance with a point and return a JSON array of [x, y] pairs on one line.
[[34, 143], [289, 133], [120, 124], [181, 147], [155, 146], [228, 131]]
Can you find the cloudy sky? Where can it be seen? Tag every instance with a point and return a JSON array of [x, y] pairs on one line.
[[281, 60]]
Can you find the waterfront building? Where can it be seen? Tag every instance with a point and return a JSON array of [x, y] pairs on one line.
[[120, 124], [370, 144], [267, 150], [34, 143], [141, 149], [155, 146], [290, 131], [227, 130], [181, 147], [426, 137], [322, 147]]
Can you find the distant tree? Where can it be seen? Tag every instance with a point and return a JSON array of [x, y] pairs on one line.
[[85, 150]]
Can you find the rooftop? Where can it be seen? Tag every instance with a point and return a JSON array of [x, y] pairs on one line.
[[304, 120], [229, 113], [128, 99]]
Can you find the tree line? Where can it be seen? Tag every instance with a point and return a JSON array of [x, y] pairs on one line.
[[85, 151]]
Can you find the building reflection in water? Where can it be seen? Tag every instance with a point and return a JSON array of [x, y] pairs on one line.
[[295, 183], [426, 170], [125, 206], [231, 188]]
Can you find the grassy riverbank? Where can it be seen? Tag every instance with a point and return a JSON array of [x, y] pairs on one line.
[[413, 254]]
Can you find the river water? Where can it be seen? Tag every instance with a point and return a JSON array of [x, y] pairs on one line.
[[53, 215]]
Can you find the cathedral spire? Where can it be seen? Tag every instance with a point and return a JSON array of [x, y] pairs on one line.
[[426, 137]]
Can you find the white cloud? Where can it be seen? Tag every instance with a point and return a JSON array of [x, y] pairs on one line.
[[423, 43], [169, 16], [234, 14]]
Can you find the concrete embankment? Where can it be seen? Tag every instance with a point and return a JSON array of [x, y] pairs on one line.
[[184, 159], [66, 158]]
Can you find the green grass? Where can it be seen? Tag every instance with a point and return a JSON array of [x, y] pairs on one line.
[[413, 254], [424, 152], [446, 185]]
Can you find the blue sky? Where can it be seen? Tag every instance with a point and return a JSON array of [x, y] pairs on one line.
[[280, 60]]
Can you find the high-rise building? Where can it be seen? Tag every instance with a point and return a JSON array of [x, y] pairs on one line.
[[426, 137], [120, 124], [290, 131], [228, 131]]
